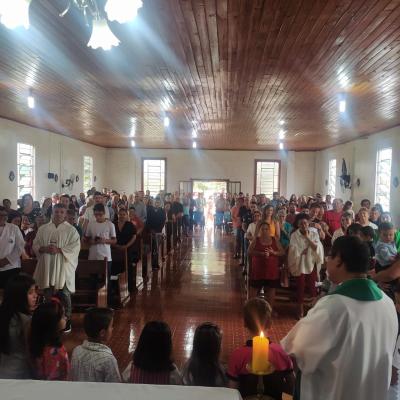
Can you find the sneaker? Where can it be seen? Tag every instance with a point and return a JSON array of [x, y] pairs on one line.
[[68, 327]]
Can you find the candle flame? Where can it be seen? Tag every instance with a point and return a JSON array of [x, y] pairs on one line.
[[262, 334]]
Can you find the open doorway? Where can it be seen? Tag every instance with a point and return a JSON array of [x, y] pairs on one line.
[[210, 189]]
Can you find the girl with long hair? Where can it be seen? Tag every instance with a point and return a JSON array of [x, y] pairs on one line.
[[19, 301], [203, 367], [50, 358], [152, 359]]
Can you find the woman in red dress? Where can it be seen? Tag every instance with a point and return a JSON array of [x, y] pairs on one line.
[[265, 251]]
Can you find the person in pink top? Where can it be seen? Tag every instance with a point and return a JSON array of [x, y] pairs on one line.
[[333, 217], [257, 315]]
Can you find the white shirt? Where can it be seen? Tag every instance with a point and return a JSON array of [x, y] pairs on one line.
[[344, 348], [251, 231], [105, 230], [304, 264], [90, 216], [11, 246]]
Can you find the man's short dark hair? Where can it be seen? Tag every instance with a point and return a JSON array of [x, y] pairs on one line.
[[59, 205], [365, 200], [65, 195], [385, 226], [353, 252], [299, 217], [354, 229], [97, 194], [368, 231], [99, 208], [97, 319]]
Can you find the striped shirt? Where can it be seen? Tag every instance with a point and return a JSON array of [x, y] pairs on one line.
[[155, 377], [94, 362]]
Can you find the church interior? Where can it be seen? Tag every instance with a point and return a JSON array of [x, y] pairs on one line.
[[200, 199]]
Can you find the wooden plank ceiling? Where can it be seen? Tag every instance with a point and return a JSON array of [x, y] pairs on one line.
[[230, 68]]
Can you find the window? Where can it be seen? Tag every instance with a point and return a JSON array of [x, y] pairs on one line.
[[26, 169], [87, 173], [332, 178], [383, 178], [267, 177], [153, 178]]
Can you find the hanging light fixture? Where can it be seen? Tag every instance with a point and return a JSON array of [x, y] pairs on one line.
[[122, 11], [102, 36], [14, 13]]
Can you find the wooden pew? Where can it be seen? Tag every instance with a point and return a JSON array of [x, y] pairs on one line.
[[160, 250], [28, 266], [120, 256], [90, 284]]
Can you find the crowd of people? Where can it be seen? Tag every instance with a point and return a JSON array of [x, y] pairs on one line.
[[308, 241]]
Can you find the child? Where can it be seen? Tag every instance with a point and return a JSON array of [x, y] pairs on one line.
[[203, 367], [257, 316], [386, 253], [367, 236], [19, 301], [100, 234], [93, 360], [152, 360], [50, 358], [385, 248]]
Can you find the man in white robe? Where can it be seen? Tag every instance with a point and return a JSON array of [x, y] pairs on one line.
[[344, 346], [11, 247], [306, 254], [57, 245]]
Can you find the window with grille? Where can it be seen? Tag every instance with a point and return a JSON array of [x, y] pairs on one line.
[[332, 178], [87, 173], [153, 175], [267, 177], [26, 169], [383, 178]]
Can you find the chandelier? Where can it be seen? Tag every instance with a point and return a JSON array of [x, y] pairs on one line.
[[15, 13]]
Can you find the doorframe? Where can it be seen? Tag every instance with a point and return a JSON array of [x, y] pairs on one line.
[[211, 180]]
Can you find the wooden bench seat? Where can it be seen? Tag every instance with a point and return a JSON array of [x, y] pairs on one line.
[[90, 284]]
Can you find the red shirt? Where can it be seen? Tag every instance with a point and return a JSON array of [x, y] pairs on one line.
[[333, 218], [53, 365], [242, 356]]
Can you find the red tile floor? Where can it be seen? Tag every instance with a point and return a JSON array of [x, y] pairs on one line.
[[200, 282]]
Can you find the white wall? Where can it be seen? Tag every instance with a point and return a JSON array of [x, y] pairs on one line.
[[53, 153], [124, 167], [360, 156], [301, 172]]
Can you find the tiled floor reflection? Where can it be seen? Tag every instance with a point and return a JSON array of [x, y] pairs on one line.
[[200, 282]]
